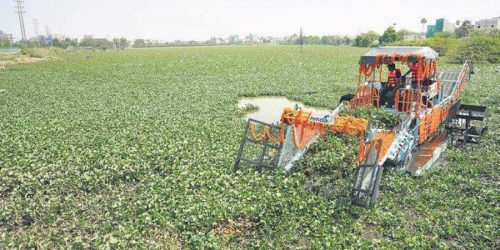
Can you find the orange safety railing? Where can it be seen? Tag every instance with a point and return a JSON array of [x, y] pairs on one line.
[[424, 128], [304, 129], [427, 68], [430, 122], [456, 94], [439, 86], [365, 96], [432, 119], [403, 101], [292, 116], [266, 134]]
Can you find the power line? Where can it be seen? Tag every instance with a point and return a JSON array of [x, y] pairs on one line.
[[20, 12]]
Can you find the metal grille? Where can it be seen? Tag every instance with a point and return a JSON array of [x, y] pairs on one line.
[[467, 124], [367, 179], [449, 79], [261, 155]]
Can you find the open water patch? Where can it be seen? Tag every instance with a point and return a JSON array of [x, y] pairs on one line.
[[269, 108]]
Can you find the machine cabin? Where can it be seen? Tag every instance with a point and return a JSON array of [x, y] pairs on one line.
[[403, 78]]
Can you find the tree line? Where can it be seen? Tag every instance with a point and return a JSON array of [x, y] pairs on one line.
[[463, 44], [88, 41], [335, 40]]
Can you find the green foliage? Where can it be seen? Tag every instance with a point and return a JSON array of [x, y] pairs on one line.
[[6, 42], [445, 43], [379, 118], [329, 165], [402, 33], [135, 148], [480, 47], [249, 108], [465, 29], [121, 43], [312, 40], [366, 39], [68, 42], [96, 43], [336, 40], [139, 43], [38, 52], [389, 36]]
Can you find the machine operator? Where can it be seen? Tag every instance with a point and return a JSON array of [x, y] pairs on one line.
[[388, 91]]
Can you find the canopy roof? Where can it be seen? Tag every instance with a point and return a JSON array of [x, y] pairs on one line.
[[410, 51]]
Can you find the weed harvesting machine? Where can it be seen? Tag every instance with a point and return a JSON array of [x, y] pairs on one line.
[[426, 101]]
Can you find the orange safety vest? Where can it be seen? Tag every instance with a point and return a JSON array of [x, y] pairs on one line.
[[391, 78], [414, 71]]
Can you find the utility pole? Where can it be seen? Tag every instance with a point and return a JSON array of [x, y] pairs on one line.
[[20, 12]]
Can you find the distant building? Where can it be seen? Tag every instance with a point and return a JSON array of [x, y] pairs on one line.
[[441, 25], [488, 24]]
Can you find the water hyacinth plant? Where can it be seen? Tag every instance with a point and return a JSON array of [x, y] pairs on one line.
[[135, 148]]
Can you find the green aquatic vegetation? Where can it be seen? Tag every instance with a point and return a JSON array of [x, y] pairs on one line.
[[135, 149], [329, 164], [377, 117], [249, 108]]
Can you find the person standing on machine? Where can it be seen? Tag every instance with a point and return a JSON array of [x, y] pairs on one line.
[[388, 92], [414, 68]]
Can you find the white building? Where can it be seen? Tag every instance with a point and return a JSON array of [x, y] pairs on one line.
[[448, 26], [488, 24]]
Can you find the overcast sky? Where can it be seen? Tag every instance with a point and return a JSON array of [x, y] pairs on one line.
[[200, 20]]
